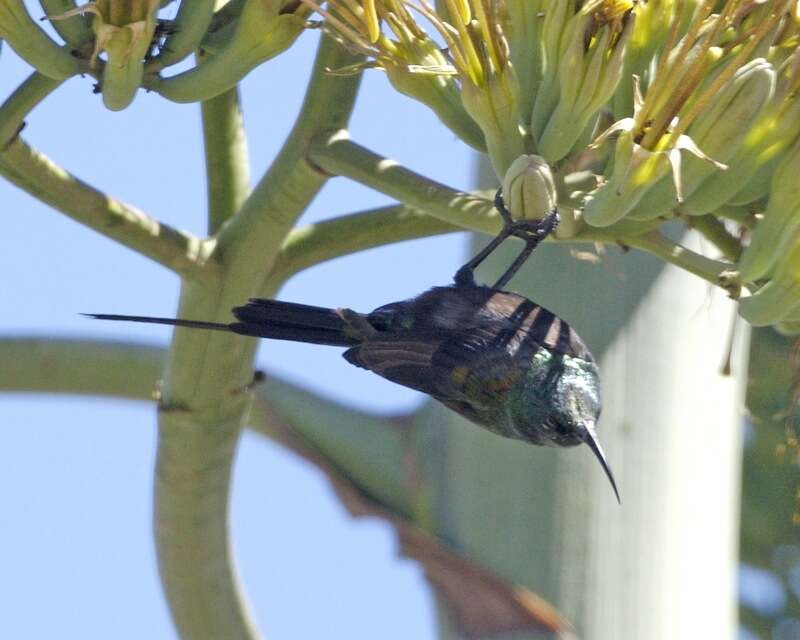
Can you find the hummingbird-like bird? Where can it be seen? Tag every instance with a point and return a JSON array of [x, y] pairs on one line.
[[492, 356]]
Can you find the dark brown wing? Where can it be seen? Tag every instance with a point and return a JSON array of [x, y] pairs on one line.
[[402, 359], [511, 319], [462, 368]]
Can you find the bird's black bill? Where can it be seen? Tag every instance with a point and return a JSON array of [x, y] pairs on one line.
[[594, 445]]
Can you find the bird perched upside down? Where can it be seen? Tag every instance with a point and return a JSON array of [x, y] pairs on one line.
[[495, 357]]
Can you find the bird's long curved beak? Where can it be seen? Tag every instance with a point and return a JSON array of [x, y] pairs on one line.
[[594, 445]]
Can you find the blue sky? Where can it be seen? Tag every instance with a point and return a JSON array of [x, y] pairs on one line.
[[75, 473]]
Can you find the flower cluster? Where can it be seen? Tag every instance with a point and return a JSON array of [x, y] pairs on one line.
[[675, 108], [128, 44]]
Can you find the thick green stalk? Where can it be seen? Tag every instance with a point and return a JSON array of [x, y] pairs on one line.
[[227, 163], [43, 179], [204, 399]]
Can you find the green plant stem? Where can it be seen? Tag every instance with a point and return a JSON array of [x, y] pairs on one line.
[[204, 398], [741, 214], [46, 181], [669, 251], [338, 155], [227, 163], [21, 102], [190, 26], [85, 367], [314, 243], [715, 232]]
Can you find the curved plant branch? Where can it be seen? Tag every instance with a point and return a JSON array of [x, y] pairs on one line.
[[32, 44], [712, 271], [85, 367], [21, 102], [338, 155], [42, 178], [713, 230], [314, 243]]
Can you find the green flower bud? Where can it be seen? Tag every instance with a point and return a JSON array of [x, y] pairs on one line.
[[772, 132], [653, 21], [588, 75], [635, 170], [773, 303], [779, 299], [124, 32], [525, 25], [417, 68], [495, 107], [757, 187], [780, 227], [554, 40], [529, 191], [718, 131]]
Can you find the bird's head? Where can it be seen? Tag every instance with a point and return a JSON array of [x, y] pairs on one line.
[[561, 409], [576, 412]]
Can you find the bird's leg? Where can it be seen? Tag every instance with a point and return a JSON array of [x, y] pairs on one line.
[[532, 232], [466, 274]]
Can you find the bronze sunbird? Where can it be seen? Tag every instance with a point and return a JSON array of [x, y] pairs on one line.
[[495, 357]]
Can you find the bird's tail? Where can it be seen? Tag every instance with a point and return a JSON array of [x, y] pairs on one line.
[[267, 319]]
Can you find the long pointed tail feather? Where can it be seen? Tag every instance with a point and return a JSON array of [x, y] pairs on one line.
[[272, 319], [175, 322]]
